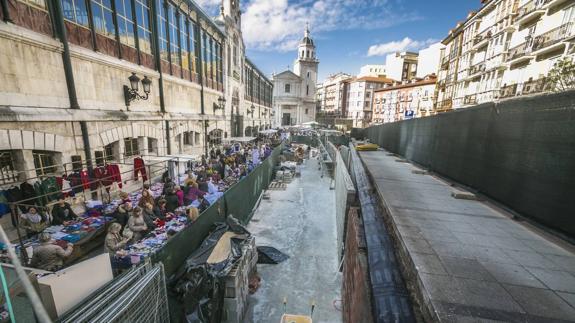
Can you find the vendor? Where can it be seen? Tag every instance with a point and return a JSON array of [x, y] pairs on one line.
[[146, 198], [32, 222], [62, 213], [149, 216], [160, 210], [114, 240], [122, 213], [172, 201], [48, 256], [137, 224]]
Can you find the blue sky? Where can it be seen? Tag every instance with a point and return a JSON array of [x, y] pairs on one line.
[[343, 30]]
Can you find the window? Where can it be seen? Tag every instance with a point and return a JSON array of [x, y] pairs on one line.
[[109, 152], [215, 137], [144, 28], [162, 34], [75, 11], [44, 162], [103, 17], [306, 111], [125, 22], [184, 42], [287, 88], [99, 157], [308, 74], [188, 138], [174, 38], [152, 145], [8, 173], [76, 162], [193, 46], [196, 137], [307, 90], [130, 147]]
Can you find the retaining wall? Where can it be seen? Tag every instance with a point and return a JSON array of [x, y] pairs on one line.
[[519, 152]]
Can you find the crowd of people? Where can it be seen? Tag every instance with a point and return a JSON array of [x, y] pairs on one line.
[[185, 196]]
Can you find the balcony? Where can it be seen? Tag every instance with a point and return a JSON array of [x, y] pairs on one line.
[[481, 40], [508, 91], [444, 62], [520, 53], [470, 99], [552, 39], [444, 105], [476, 70], [535, 86], [531, 10]]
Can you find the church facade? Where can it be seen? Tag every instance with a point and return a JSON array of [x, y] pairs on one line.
[[294, 92]]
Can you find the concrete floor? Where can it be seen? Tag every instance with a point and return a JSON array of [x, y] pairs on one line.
[[472, 261], [300, 222]]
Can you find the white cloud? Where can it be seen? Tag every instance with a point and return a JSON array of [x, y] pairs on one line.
[[279, 24], [398, 46]]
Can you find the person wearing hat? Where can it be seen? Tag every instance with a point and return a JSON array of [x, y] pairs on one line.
[[48, 256]]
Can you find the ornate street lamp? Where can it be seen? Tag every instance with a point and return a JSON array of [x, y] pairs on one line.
[[251, 110], [131, 92], [221, 104]]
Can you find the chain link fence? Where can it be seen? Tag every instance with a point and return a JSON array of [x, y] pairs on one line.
[[137, 296]]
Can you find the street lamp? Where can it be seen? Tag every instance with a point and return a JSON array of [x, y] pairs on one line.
[[131, 92], [251, 110], [220, 105]]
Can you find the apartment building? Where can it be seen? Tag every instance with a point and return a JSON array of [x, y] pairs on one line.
[[89, 82], [372, 70], [360, 98], [408, 100], [504, 49], [401, 66], [335, 93]]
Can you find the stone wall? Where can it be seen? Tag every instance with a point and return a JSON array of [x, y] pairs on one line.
[[519, 152]]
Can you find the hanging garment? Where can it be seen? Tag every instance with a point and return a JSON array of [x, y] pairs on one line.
[[4, 208], [75, 181], [51, 189], [101, 173], [41, 195], [85, 178], [172, 170], [28, 192], [139, 167], [114, 174], [13, 195]]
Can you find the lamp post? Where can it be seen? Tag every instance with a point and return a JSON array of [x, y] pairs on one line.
[[221, 104], [131, 93]]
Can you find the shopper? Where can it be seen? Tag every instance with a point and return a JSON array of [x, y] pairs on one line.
[[172, 201], [122, 213], [137, 224], [149, 216], [62, 213], [48, 256], [114, 240]]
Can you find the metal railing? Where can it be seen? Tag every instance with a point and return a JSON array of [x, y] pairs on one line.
[[477, 68], [445, 104], [470, 99], [535, 86], [530, 6], [508, 91], [519, 51], [486, 34], [553, 36]]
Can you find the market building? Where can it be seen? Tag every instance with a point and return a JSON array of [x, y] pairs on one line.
[[83, 85], [294, 97]]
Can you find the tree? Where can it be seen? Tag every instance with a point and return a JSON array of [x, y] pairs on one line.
[[562, 75]]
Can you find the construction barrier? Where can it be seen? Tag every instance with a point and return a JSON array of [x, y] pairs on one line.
[[519, 152]]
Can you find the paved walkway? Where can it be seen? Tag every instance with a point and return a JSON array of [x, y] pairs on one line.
[[300, 222], [469, 260]]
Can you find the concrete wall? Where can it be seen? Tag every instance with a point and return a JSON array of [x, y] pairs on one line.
[[519, 152], [355, 295]]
